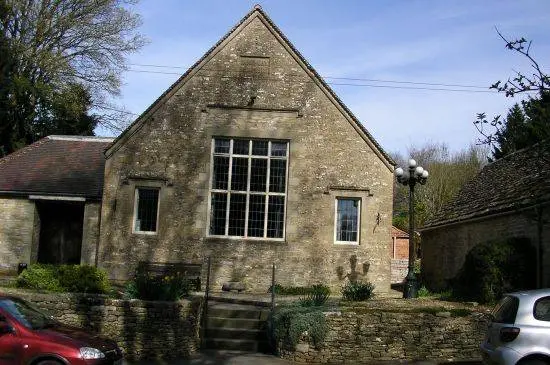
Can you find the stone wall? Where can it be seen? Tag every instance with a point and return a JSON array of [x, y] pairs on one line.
[[90, 233], [399, 269], [252, 86], [17, 232], [444, 249], [385, 335], [142, 329]]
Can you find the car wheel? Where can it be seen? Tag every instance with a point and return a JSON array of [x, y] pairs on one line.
[[534, 362], [49, 362]]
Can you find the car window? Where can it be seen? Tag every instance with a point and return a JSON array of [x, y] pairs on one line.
[[24, 313], [506, 310], [541, 309]]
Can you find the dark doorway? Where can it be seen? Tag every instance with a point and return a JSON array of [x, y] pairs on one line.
[[60, 232]]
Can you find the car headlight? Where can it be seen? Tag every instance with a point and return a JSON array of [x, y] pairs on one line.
[[91, 353]]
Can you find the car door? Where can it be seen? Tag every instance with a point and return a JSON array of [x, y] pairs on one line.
[[10, 349]]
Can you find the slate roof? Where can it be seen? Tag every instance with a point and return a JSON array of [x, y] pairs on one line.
[[396, 232], [56, 165], [517, 181], [256, 10]]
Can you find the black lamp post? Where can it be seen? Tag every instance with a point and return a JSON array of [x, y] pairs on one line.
[[415, 174]]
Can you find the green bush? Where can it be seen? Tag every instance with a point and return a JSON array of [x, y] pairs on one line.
[[39, 277], [291, 290], [64, 278], [151, 287], [291, 322], [493, 268], [317, 296], [358, 291], [423, 292]]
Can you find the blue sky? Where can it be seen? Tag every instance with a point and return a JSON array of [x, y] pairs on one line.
[[441, 42]]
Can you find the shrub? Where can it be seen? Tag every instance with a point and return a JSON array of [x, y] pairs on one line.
[[357, 291], [292, 322], [150, 287], [493, 268], [317, 296], [291, 290], [64, 278], [39, 277], [423, 292]]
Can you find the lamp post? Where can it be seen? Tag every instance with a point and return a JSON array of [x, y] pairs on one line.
[[415, 174]]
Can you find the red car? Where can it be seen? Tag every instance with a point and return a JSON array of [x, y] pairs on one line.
[[29, 337]]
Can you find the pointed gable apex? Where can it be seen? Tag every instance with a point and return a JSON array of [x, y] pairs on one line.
[[258, 13]]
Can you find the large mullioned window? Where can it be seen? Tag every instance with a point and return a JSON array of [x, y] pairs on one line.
[[248, 188], [348, 213]]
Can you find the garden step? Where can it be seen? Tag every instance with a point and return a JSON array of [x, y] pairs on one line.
[[221, 322], [237, 311], [234, 345], [232, 333]]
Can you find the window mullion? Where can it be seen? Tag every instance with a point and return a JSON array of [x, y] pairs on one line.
[[230, 174], [267, 176], [249, 177]]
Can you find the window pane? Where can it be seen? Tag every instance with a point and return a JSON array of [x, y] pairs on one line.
[[237, 212], [275, 216], [239, 175], [277, 174], [259, 148], [146, 217], [221, 172], [240, 147], [278, 148], [221, 146], [346, 223], [256, 210], [217, 213], [258, 174]]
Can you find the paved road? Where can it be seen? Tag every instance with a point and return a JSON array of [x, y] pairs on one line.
[[238, 358]]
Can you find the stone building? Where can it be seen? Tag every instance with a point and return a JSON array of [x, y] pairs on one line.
[[508, 198], [50, 200], [250, 159]]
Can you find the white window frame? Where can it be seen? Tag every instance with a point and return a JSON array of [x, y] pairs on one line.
[[359, 204], [266, 193], [136, 207]]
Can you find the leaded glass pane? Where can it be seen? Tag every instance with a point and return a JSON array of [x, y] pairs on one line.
[[221, 172], [146, 217], [278, 148], [277, 176], [240, 147], [237, 212], [239, 174], [221, 145], [258, 174], [275, 216], [259, 148], [347, 220], [217, 213], [256, 216]]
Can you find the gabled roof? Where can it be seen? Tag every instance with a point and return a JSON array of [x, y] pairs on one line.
[[517, 181], [56, 165], [396, 232], [256, 12]]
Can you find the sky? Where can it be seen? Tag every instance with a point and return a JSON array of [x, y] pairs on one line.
[[407, 44]]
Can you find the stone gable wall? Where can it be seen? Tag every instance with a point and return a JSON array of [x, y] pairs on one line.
[[171, 150], [444, 249]]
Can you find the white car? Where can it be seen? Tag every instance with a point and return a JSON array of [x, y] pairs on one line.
[[519, 330]]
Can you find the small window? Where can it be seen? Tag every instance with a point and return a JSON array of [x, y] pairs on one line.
[[347, 220], [541, 310], [146, 210]]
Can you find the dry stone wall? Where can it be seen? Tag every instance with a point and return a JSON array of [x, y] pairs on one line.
[[385, 335], [142, 329]]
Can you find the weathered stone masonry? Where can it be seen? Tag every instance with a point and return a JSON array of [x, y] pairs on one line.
[[252, 85]]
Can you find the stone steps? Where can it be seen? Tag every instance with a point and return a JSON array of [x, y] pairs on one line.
[[236, 327]]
